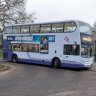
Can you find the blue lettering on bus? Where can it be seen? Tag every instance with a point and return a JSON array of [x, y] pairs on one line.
[[51, 38], [23, 38], [10, 38]]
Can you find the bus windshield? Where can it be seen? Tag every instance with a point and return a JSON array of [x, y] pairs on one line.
[[85, 28], [86, 50]]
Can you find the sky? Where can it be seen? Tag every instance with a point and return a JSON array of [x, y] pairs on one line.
[[58, 10]]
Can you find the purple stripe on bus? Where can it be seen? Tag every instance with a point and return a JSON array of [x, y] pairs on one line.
[[48, 62], [43, 62]]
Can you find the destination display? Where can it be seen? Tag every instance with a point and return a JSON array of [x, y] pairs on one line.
[[86, 39]]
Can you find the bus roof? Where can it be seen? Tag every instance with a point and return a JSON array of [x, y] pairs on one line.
[[41, 23]]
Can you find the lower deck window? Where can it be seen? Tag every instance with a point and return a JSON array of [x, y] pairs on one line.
[[29, 47], [24, 47], [71, 49]]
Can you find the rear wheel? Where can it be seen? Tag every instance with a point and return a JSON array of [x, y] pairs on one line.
[[56, 63], [14, 58]]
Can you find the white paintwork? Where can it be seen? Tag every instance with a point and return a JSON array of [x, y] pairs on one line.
[[57, 46]]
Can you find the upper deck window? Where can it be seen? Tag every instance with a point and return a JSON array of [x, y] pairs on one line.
[[8, 30], [16, 29], [35, 28], [57, 27], [85, 28], [45, 28], [70, 26], [25, 29]]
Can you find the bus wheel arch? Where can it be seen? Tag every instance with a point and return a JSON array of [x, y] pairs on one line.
[[14, 58], [56, 63]]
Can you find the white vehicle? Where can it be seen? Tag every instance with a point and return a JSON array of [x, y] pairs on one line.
[[59, 44]]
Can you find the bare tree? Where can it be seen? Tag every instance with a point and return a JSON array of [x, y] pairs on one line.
[[13, 11]]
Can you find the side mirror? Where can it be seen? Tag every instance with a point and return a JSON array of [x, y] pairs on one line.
[[75, 44]]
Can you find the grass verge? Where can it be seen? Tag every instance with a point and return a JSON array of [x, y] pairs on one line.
[[2, 67], [1, 53]]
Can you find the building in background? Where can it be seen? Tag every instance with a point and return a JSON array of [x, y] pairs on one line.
[[94, 45]]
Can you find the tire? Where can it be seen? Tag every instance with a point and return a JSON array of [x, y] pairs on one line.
[[14, 58], [56, 63]]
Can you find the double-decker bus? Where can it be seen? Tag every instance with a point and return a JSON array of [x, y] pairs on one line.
[[59, 44]]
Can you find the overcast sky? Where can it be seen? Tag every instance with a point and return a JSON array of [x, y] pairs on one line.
[[57, 10]]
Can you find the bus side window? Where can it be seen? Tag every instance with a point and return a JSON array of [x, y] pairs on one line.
[[25, 29], [45, 28], [16, 29], [35, 28], [57, 28], [8, 30], [69, 26], [71, 49]]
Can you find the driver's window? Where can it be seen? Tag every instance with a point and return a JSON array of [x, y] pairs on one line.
[[86, 51]]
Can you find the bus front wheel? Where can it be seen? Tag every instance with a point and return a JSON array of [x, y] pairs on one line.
[[56, 63], [14, 58]]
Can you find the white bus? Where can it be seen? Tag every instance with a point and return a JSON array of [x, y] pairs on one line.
[[59, 44]]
